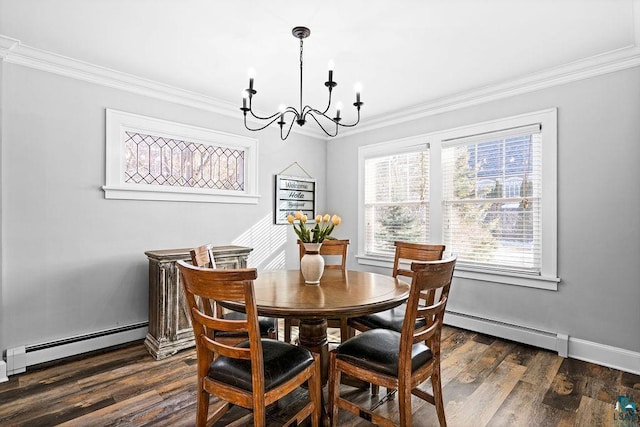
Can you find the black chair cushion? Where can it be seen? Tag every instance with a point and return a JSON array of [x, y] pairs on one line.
[[282, 361], [377, 350], [267, 325], [389, 319]]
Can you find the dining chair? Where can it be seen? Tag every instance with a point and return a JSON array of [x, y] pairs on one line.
[[399, 360], [254, 373], [393, 318], [202, 256], [335, 253]]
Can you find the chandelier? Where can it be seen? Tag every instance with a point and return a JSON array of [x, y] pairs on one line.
[[300, 116]]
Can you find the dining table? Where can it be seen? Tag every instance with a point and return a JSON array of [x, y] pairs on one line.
[[350, 293]]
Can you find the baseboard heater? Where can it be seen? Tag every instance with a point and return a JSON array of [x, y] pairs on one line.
[[18, 358], [543, 339]]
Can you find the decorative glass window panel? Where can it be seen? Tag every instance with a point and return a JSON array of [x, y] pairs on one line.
[[152, 159]]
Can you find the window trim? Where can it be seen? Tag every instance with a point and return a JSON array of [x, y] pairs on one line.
[[117, 122], [548, 279]]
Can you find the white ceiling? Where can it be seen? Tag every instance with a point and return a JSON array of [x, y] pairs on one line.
[[405, 54]]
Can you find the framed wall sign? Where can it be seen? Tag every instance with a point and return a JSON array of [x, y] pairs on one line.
[[294, 193]]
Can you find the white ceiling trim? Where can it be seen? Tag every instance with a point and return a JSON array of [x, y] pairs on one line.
[[14, 52]]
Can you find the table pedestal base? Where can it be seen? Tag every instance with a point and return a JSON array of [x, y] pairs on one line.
[[313, 336]]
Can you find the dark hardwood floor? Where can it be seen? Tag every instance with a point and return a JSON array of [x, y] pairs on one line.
[[487, 382]]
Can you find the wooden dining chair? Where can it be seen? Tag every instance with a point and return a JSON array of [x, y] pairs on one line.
[[202, 256], [393, 318], [399, 360], [335, 253], [254, 373]]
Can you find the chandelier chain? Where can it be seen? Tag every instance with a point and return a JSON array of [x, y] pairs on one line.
[[301, 65]]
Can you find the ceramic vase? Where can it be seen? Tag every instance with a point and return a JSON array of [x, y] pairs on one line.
[[312, 264]]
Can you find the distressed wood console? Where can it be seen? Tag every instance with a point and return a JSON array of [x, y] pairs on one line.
[[169, 324]]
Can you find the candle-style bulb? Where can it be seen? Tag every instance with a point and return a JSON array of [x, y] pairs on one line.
[[331, 65], [338, 108], [252, 75], [358, 88], [245, 95]]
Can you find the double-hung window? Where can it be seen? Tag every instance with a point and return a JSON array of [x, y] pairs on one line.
[[396, 195], [492, 199], [488, 194]]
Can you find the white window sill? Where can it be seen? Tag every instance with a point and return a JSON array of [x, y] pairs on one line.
[[178, 195], [507, 278]]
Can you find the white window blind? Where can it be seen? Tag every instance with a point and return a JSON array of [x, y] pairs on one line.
[[396, 200], [492, 199]]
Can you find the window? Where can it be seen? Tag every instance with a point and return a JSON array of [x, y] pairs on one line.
[[152, 159], [396, 195], [492, 199], [488, 194]]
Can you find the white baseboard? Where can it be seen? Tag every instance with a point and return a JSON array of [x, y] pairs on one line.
[[541, 339], [46, 352], [562, 343], [3, 372], [606, 355]]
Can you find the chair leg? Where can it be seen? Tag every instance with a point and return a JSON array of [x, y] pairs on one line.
[[404, 404], [259, 415], [375, 389], [334, 389], [344, 330], [315, 393], [287, 330], [203, 408], [436, 385]]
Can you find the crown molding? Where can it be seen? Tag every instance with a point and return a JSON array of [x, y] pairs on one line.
[[14, 52], [618, 60], [604, 63]]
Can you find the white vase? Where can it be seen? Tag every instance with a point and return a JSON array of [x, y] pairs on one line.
[[312, 264]]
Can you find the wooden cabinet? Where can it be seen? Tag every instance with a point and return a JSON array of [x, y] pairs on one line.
[[169, 323]]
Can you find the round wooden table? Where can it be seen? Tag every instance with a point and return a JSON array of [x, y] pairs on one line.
[[283, 293]]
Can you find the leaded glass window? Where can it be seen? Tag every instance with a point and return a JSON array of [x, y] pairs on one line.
[[154, 159]]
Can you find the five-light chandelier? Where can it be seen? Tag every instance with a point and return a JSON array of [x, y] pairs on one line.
[[300, 116]]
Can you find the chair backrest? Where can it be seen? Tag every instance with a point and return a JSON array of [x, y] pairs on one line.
[[332, 247], [203, 287], [414, 252], [202, 256], [431, 282]]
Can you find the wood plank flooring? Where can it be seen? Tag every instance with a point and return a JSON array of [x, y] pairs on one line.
[[486, 382]]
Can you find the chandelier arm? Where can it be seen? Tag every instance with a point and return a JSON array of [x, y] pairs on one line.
[[264, 118], [259, 128], [313, 110], [328, 103], [260, 117], [310, 113], [352, 124], [288, 132]]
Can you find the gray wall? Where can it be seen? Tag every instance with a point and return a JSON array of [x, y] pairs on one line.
[[73, 262], [598, 209]]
